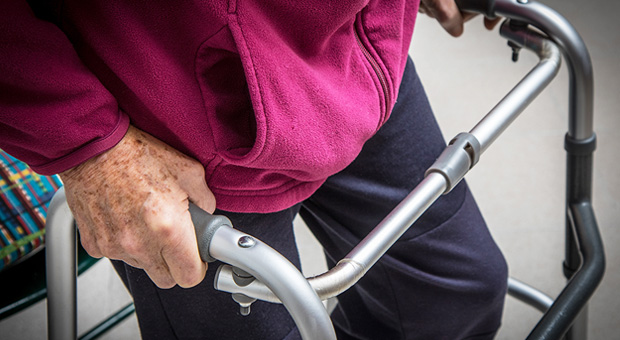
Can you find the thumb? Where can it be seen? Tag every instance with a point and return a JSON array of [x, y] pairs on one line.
[[183, 259], [449, 17], [192, 181], [202, 196]]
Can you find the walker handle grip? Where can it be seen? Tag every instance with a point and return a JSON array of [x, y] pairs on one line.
[[486, 7], [206, 225]]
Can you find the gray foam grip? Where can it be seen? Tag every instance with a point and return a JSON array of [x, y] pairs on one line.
[[206, 225]]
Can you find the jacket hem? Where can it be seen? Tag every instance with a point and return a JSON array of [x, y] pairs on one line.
[[269, 202]]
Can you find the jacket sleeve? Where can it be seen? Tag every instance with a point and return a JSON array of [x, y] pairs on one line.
[[54, 113]]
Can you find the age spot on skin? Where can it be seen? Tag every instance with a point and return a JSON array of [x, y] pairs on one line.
[[127, 199]]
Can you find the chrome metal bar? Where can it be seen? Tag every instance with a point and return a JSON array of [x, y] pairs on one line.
[[277, 273], [581, 86], [326, 285], [529, 295], [509, 108], [351, 268], [380, 239], [61, 270]]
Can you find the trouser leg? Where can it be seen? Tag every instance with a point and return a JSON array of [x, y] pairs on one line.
[[445, 278], [204, 313]]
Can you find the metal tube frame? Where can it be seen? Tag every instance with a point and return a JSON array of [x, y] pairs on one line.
[[570, 308], [61, 276], [529, 295], [61, 272], [277, 273]]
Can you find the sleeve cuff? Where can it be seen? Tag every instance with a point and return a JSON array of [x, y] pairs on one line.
[[87, 151]]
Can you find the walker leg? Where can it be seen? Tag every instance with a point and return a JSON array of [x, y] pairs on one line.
[[61, 270]]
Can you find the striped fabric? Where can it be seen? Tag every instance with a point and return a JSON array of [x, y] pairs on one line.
[[24, 197]]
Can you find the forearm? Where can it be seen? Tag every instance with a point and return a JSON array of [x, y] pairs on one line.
[[54, 113]]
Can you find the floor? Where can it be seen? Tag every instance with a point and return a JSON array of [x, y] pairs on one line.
[[519, 182]]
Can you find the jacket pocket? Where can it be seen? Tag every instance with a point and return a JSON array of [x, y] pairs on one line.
[[220, 75]]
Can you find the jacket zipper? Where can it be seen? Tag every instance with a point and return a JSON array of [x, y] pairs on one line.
[[382, 78]]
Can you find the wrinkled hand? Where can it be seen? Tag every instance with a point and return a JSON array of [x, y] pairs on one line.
[[450, 17], [131, 204]]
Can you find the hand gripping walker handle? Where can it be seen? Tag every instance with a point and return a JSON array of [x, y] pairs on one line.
[[266, 265]]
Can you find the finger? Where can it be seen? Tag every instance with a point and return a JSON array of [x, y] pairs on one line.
[[449, 16], [468, 16], [88, 238], [131, 261], [174, 237], [158, 272], [90, 245], [203, 197], [84, 224], [182, 256], [144, 255], [424, 9], [195, 185], [491, 23]]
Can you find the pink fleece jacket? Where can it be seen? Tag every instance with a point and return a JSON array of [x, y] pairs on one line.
[[272, 96]]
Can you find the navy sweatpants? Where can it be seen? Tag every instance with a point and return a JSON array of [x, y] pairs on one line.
[[444, 279]]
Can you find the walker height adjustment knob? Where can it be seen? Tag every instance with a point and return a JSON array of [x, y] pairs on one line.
[[244, 302], [242, 278], [516, 24], [515, 51]]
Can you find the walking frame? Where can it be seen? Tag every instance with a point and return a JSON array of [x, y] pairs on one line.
[[256, 271]]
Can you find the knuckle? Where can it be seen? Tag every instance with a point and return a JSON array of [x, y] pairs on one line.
[[131, 245], [199, 169], [111, 251], [445, 12], [102, 245], [165, 229], [192, 168], [189, 283]]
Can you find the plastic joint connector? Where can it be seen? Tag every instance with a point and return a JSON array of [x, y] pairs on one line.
[[241, 277], [461, 154], [580, 147]]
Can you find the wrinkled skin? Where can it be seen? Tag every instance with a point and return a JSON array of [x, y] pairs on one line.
[[131, 204]]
